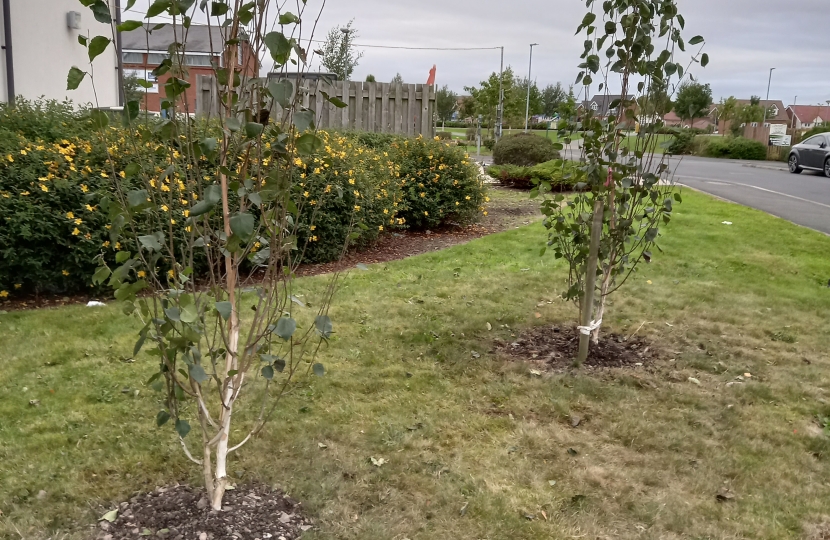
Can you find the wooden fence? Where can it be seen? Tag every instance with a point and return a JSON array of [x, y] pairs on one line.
[[405, 109]]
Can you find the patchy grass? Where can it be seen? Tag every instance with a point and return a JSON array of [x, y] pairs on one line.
[[479, 433]]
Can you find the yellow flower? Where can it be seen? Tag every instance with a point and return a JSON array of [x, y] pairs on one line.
[[106, 244], [317, 170], [171, 273], [76, 232], [172, 222], [356, 193], [385, 210], [44, 189], [186, 213], [70, 215], [65, 272], [153, 182], [103, 174], [188, 228], [84, 188], [313, 238], [24, 193], [423, 194], [298, 162], [426, 213], [486, 199], [457, 203], [485, 212], [164, 207], [165, 188], [78, 221], [90, 208], [11, 160], [141, 273], [4, 294], [380, 228], [467, 197], [305, 194], [122, 174], [313, 227], [351, 181], [357, 208], [118, 245], [18, 285], [22, 152]]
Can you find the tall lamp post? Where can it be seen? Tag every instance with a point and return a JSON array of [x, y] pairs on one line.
[[529, 69], [769, 84]]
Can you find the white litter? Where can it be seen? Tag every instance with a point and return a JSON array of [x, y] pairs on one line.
[[94, 303], [727, 223]]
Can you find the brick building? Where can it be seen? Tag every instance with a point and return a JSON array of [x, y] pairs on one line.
[[144, 49]]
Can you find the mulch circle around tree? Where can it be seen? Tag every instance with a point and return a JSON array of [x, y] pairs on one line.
[[554, 348], [183, 513]]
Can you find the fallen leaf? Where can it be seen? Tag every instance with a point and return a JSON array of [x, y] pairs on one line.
[[694, 381], [575, 421], [475, 354], [378, 462], [489, 327], [572, 452], [725, 495], [537, 315], [110, 516], [321, 445], [727, 222], [649, 282], [748, 375], [464, 508], [536, 372], [551, 483]]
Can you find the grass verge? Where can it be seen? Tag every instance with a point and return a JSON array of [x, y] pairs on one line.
[[412, 378]]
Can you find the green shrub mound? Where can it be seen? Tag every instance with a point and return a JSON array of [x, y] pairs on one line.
[[524, 150], [56, 179], [735, 148], [560, 175]]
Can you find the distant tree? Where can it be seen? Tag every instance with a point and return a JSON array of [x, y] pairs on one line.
[[370, 78], [446, 103], [132, 90], [468, 108], [397, 79], [339, 53], [486, 97], [520, 97], [748, 113], [693, 101], [656, 102], [552, 98], [568, 108], [727, 111]]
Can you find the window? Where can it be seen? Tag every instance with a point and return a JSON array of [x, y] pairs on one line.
[[155, 59], [197, 60], [774, 111], [814, 141], [808, 125], [754, 124], [147, 76], [594, 106], [132, 58]]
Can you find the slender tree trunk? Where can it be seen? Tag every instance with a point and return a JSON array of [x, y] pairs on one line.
[[590, 282]]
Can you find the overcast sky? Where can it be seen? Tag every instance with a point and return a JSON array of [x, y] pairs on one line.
[[744, 38]]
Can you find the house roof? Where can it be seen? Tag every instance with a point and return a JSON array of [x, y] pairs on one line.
[[604, 102], [199, 38], [782, 110], [808, 113], [671, 118]]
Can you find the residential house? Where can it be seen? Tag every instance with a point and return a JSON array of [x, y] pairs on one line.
[[778, 114], [706, 123], [600, 104], [145, 49], [39, 41], [804, 117]]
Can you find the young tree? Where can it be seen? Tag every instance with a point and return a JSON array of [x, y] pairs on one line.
[[486, 97], [446, 103], [552, 98], [657, 102], [468, 108], [625, 191], [340, 56], [397, 79], [693, 101], [519, 96], [370, 78], [728, 110], [205, 205]]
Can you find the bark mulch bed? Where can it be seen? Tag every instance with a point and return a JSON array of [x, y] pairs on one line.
[[554, 348], [182, 513]]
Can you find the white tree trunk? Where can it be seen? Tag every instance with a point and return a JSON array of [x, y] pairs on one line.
[[220, 483]]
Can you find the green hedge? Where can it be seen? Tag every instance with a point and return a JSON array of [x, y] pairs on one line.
[[735, 148], [51, 192], [561, 175], [524, 150]]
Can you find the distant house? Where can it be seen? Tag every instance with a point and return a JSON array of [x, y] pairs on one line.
[[706, 123], [808, 116], [778, 114], [144, 49], [601, 105]]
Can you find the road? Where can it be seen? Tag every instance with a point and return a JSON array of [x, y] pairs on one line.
[[802, 198]]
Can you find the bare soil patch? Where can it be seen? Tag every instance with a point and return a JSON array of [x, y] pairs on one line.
[[554, 348], [183, 513]]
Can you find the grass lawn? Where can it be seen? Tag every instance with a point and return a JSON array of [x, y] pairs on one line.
[[553, 135], [474, 431]]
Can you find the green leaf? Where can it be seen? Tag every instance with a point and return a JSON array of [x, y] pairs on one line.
[[122, 256], [696, 40], [279, 364], [173, 313], [99, 118], [189, 315], [131, 112], [137, 197], [110, 516], [140, 343], [182, 428], [323, 325], [162, 417], [678, 198], [319, 369], [268, 372], [308, 144], [197, 373], [253, 129], [73, 80], [158, 7], [289, 18], [233, 123], [279, 46], [286, 327], [281, 91], [304, 120], [132, 169], [242, 225], [217, 9], [704, 60], [101, 12], [83, 40], [224, 309], [129, 26], [101, 275], [334, 100], [151, 242]]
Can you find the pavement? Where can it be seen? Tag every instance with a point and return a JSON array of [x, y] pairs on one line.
[[803, 198]]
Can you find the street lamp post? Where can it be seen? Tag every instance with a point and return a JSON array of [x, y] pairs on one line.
[[763, 124], [529, 69], [500, 109]]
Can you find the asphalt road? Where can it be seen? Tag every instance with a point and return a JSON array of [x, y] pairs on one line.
[[802, 198]]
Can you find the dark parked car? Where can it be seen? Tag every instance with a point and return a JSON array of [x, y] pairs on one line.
[[812, 154]]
